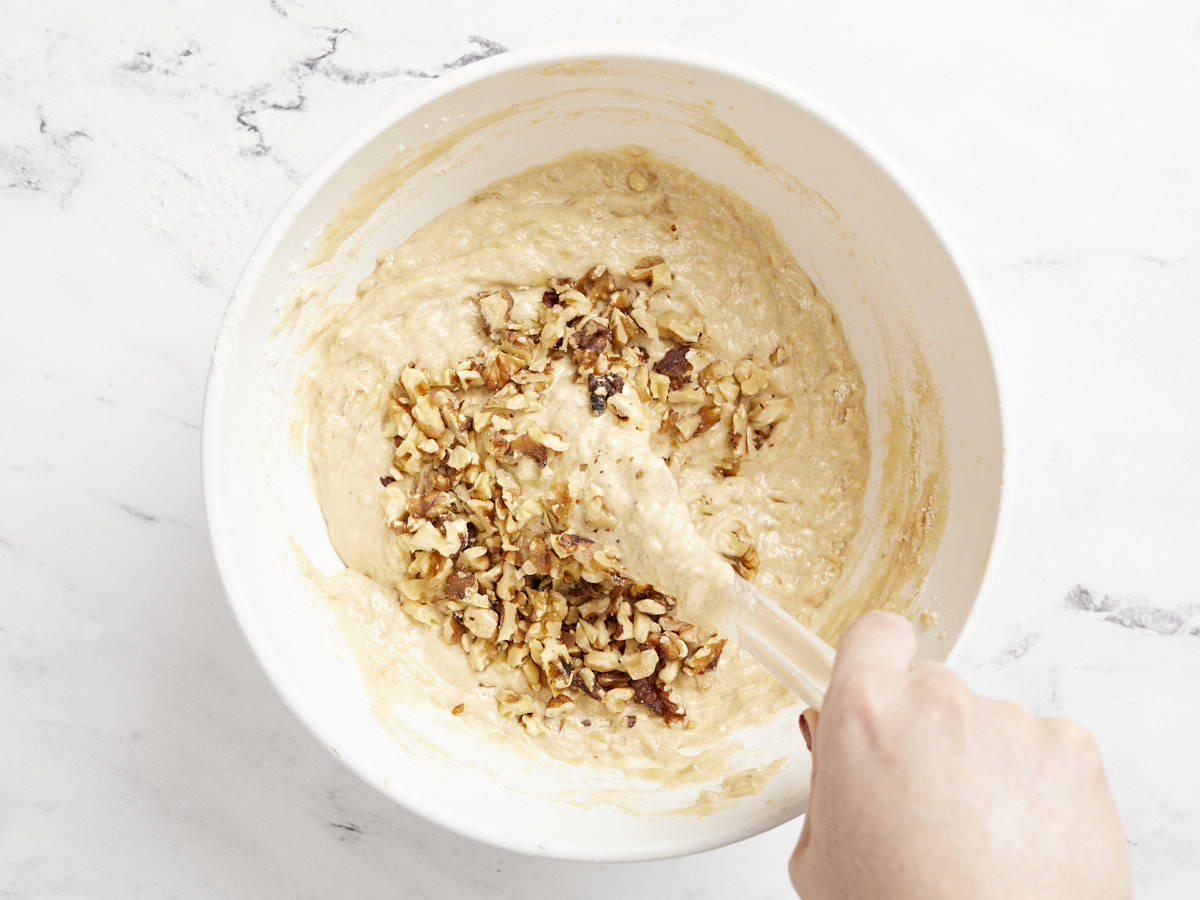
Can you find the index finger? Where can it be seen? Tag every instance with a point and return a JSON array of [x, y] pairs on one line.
[[878, 640]]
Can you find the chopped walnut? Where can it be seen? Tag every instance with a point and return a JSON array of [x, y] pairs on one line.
[[683, 328], [705, 658], [495, 307], [601, 388]]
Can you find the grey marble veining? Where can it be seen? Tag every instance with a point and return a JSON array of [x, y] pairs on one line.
[[143, 149], [1136, 613]]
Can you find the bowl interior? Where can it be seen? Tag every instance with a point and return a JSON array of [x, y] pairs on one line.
[[904, 306]]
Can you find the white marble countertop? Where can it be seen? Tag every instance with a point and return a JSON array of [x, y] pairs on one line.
[[144, 147]]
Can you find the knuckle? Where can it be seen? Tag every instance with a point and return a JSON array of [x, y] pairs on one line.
[[1011, 713], [857, 700], [1076, 739], [857, 693], [943, 691]]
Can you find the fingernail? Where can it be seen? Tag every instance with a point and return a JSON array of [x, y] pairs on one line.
[[806, 730]]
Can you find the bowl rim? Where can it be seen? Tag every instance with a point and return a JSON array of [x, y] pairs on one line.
[[235, 313]]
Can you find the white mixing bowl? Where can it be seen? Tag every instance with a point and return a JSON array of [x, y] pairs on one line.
[[904, 303]]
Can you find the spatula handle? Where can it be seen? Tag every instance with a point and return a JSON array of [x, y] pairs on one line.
[[787, 649]]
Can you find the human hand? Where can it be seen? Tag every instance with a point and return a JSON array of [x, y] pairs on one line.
[[923, 790]]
